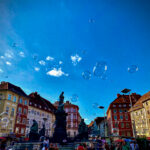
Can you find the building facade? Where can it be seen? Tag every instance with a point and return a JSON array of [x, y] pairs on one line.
[[73, 118], [42, 111], [9, 98], [140, 115], [118, 117], [98, 127]]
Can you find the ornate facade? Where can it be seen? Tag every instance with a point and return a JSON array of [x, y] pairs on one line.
[[42, 111]]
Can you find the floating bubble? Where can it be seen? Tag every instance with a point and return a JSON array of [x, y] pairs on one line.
[[95, 105], [133, 69], [91, 20], [74, 98], [104, 76], [100, 69], [14, 45], [35, 57], [86, 75]]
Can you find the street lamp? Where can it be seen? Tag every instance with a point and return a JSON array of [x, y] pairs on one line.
[[125, 91], [102, 107]]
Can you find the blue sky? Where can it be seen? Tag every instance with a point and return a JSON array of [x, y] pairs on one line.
[[46, 46]]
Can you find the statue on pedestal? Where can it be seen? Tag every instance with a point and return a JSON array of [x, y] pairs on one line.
[[33, 135], [60, 124], [82, 130]]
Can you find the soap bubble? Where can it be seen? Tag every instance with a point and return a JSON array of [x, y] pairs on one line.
[[100, 69], [86, 75], [91, 20], [133, 69], [95, 105], [74, 98], [35, 57]]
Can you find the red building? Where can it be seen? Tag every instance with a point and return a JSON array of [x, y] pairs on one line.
[[73, 118], [21, 114], [118, 117]]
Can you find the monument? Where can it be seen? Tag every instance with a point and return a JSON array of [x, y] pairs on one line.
[[33, 135], [60, 133], [82, 131]]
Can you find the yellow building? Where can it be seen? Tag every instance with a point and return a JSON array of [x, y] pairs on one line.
[[9, 96], [140, 116]]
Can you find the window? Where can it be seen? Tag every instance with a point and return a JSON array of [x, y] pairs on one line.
[[24, 121], [114, 105], [20, 100], [115, 117], [7, 109], [120, 110], [114, 110], [25, 102], [1, 96], [120, 105], [22, 130], [126, 117], [25, 111], [17, 130], [18, 119], [28, 111], [74, 133], [121, 117], [124, 105], [14, 99], [38, 113], [127, 125], [12, 112], [122, 125], [20, 110], [116, 125], [35, 113], [9, 96], [125, 110]]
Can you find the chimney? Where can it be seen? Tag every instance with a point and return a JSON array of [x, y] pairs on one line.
[[67, 102], [118, 95]]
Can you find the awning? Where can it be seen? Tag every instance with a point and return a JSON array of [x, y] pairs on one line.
[[2, 138]]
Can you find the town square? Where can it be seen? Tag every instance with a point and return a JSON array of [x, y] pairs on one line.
[[74, 75]]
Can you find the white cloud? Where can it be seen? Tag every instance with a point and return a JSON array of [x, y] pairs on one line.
[[56, 72], [60, 62], [86, 119], [75, 59], [21, 54], [2, 57], [1, 71], [42, 62], [36, 69], [49, 58], [9, 54], [105, 67], [8, 63]]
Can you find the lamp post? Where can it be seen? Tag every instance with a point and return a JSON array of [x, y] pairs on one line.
[[125, 91], [102, 107]]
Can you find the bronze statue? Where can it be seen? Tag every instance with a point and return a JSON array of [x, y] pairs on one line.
[[33, 135], [60, 129]]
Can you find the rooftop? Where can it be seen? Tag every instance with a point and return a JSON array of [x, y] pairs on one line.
[[13, 88]]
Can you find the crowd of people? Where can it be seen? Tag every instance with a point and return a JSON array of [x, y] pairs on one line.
[[101, 144]]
